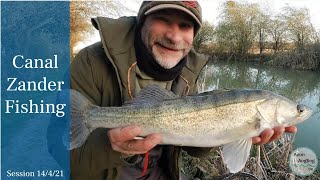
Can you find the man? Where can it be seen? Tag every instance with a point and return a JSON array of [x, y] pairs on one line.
[[152, 48]]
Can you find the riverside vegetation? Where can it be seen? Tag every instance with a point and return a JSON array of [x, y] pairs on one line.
[[250, 32], [268, 161], [308, 59]]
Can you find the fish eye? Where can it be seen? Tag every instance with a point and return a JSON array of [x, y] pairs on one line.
[[300, 109]]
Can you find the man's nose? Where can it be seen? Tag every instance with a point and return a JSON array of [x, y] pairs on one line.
[[174, 33]]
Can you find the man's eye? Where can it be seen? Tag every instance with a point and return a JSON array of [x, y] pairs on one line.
[[185, 25]]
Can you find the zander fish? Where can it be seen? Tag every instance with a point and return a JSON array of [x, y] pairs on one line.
[[219, 118]]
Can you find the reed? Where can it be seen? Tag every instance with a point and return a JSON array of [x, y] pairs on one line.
[[267, 162], [307, 59]]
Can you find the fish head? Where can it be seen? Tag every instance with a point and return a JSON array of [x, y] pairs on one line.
[[282, 111], [290, 113]]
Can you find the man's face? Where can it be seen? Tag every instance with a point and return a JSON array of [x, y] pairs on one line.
[[168, 36]]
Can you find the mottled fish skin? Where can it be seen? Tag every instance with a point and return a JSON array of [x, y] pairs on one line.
[[228, 118], [204, 120], [185, 122]]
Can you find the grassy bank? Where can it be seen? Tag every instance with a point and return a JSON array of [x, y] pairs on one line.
[[308, 59], [266, 162]]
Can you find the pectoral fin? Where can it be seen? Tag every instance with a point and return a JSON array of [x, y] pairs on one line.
[[236, 154]]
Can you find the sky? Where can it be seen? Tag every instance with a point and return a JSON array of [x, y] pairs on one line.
[[212, 8]]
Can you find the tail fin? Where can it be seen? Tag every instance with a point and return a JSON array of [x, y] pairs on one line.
[[79, 131]]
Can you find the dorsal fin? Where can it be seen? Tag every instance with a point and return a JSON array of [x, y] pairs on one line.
[[150, 94]]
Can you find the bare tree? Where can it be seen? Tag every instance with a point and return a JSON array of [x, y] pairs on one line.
[[263, 22], [205, 35], [236, 31], [81, 13], [277, 29], [299, 26]]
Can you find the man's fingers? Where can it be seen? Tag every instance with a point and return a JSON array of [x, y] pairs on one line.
[[143, 145], [278, 131], [139, 146], [123, 134], [256, 140], [152, 140], [291, 129], [265, 136]]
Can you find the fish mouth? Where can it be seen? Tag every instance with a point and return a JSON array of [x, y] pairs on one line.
[[307, 114]]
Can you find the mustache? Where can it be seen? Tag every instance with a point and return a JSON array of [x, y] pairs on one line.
[[170, 45]]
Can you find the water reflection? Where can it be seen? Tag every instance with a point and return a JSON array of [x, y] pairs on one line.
[[300, 86], [292, 84]]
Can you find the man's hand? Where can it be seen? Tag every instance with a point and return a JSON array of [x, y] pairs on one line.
[[122, 140], [270, 135]]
